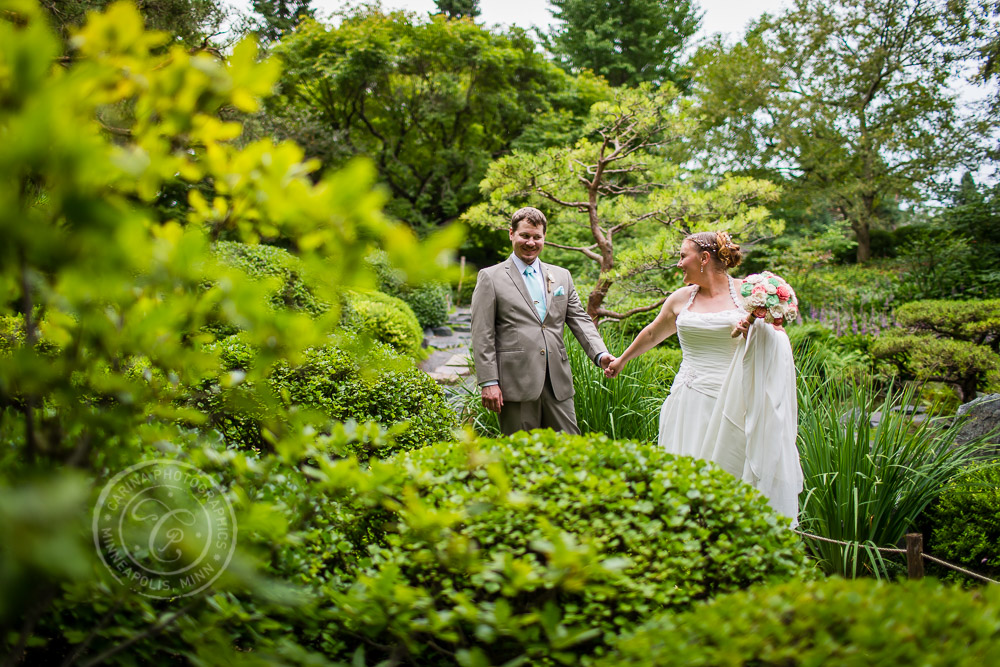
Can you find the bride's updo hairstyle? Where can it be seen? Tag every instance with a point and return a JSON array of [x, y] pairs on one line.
[[720, 246]]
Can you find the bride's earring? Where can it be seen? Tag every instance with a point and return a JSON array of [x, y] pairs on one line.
[[703, 268]]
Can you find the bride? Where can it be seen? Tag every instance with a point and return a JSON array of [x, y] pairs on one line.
[[733, 400]]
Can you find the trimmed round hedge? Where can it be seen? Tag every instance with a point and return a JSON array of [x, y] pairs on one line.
[[849, 623], [540, 547], [383, 318], [429, 302], [378, 386]]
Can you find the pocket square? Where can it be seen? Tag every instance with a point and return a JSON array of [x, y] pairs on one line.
[[559, 291]]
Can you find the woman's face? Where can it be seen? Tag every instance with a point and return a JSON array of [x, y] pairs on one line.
[[690, 261]]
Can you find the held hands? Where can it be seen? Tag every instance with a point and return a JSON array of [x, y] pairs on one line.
[[606, 361], [614, 368]]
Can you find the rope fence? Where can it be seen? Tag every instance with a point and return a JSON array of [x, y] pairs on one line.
[[914, 553]]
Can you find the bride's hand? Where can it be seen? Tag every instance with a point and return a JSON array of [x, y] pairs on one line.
[[742, 328], [614, 368]]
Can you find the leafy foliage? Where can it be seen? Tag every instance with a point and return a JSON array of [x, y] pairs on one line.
[[260, 262], [384, 318], [946, 341], [432, 103], [824, 622], [457, 9], [625, 41], [964, 523], [621, 182], [537, 548], [275, 19], [111, 298], [866, 484], [429, 301], [848, 100], [190, 22]]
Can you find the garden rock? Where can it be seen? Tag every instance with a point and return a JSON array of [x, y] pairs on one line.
[[983, 418]]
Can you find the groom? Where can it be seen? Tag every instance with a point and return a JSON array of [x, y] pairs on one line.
[[519, 309]]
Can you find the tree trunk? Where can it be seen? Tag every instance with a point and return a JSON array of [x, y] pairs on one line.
[[863, 235], [596, 298]]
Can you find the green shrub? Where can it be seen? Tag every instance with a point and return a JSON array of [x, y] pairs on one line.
[[266, 261], [867, 485], [965, 524], [831, 622], [539, 548], [383, 318], [429, 303], [973, 321], [967, 366], [378, 386]]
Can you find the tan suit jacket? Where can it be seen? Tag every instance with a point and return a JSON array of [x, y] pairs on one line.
[[510, 345]]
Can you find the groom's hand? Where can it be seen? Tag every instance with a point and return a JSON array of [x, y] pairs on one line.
[[606, 361], [492, 398]]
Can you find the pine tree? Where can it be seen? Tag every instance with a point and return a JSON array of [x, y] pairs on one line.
[[458, 9], [625, 41]]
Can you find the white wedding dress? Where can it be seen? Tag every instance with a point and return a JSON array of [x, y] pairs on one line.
[[733, 403]]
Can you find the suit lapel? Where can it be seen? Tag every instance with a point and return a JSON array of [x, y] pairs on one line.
[[518, 280]]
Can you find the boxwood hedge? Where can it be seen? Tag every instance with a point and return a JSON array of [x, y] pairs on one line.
[[539, 548], [383, 318], [429, 301], [849, 623], [378, 385]]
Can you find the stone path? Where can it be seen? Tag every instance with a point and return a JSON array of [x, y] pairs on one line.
[[450, 357]]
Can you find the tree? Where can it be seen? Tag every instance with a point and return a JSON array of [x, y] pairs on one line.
[[432, 103], [457, 9], [190, 22], [621, 181], [276, 18], [625, 41], [849, 101]]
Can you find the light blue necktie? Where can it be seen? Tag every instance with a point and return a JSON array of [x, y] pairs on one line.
[[535, 289]]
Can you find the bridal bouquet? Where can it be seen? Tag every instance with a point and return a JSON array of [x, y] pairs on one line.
[[769, 296]]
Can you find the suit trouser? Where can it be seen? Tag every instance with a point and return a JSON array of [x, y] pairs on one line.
[[543, 412]]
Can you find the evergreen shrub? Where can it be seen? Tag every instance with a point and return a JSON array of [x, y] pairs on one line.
[[829, 622], [538, 548], [964, 524], [429, 301], [383, 318], [378, 385]]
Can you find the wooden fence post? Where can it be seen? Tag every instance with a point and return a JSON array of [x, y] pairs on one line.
[[914, 559]]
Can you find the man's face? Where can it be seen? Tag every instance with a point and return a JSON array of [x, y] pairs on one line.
[[528, 240]]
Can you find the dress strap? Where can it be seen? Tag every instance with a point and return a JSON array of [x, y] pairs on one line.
[[732, 292], [694, 293]]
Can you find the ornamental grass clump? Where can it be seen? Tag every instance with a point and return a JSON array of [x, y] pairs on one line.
[[867, 485], [539, 548], [830, 622]]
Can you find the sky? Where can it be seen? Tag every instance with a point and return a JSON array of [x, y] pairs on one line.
[[725, 16]]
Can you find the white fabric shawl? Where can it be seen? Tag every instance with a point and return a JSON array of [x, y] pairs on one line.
[[752, 431]]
